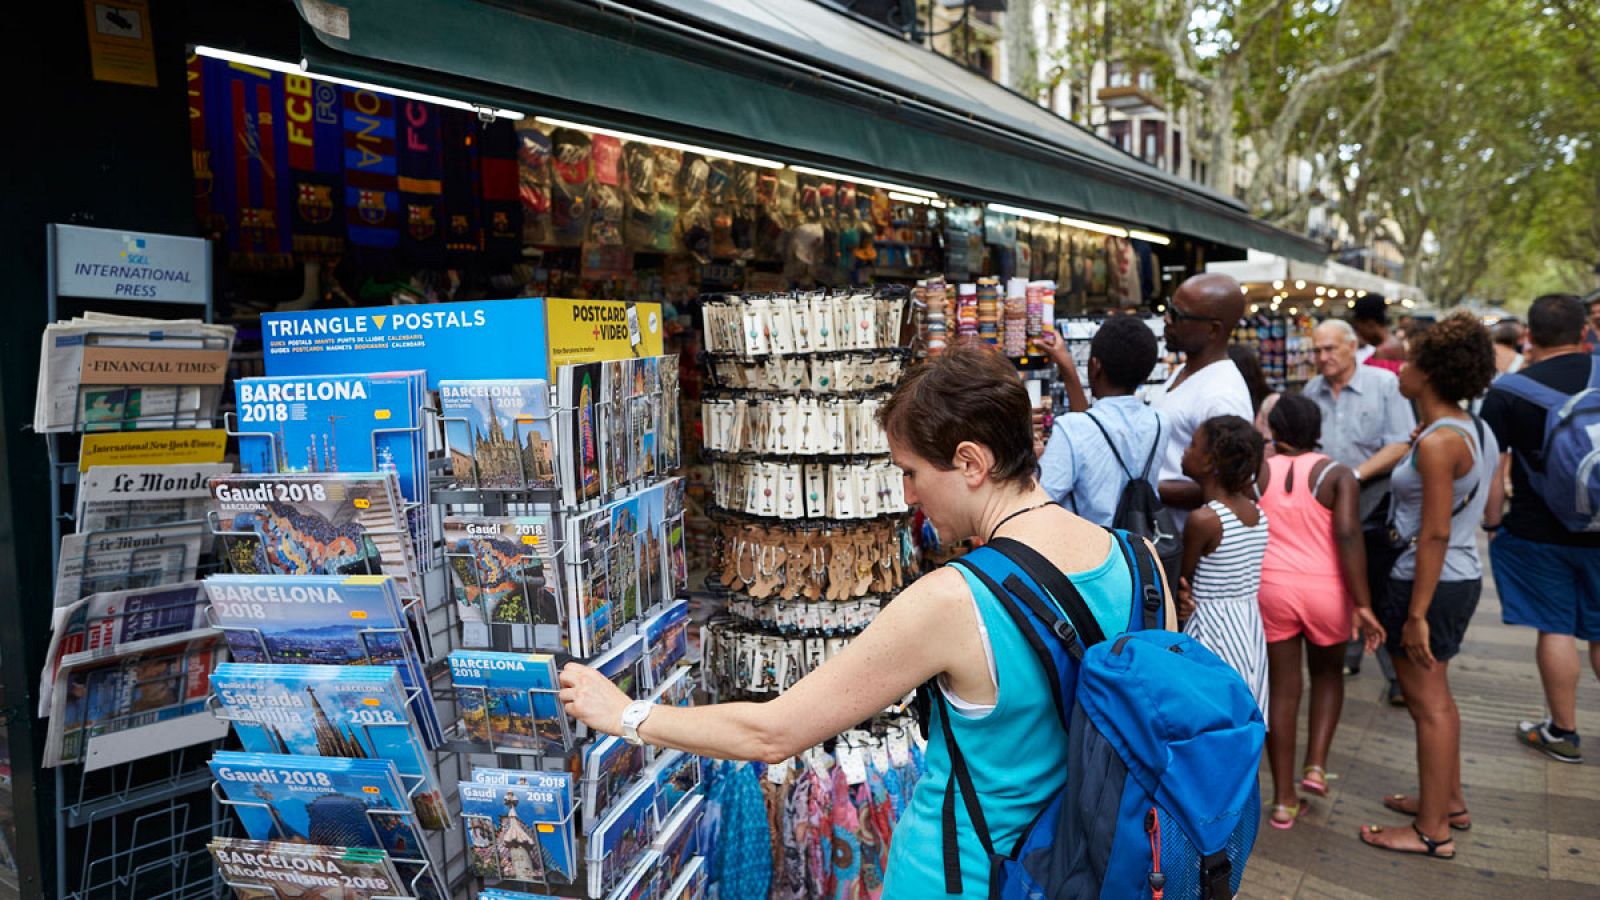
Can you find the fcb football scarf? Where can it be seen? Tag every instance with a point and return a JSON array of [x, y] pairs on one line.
[[316, 164], [250, 186], [533, 181], [461, 230], [200, 146], [421, 182], [497, 185], [371, 168]]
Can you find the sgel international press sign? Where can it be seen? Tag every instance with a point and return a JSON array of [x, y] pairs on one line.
[[130, 265]]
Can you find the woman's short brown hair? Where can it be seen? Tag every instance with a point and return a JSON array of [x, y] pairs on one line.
[[968, 393], [1457, 357]]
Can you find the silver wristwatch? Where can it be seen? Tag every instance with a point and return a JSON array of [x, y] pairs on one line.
[[632, 717]]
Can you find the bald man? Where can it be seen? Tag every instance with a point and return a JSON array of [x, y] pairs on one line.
[[1200, 322]]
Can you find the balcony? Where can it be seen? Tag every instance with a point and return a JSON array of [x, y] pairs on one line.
[[1130, 91], [1130, 100]]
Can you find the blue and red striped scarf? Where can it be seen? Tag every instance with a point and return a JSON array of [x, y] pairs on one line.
[[421, 181], [246, 141], [371, 169]]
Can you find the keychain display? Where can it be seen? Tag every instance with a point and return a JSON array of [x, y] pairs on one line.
[[836, 373], [821, 562], [793, 425], [806, 322], [743, 659], [809, 511], [787, 490]]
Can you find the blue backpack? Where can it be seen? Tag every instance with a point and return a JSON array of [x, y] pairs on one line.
[[1568, 477], [1164, 740]]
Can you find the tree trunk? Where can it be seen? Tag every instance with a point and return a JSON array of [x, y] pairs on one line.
[[1224, 144]]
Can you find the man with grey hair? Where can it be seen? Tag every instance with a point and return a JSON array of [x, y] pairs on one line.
[[1366, 426]]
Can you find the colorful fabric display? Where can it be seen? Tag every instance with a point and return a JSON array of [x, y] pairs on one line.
[[371, 171], [533, 181], [421, 181], [571, 162], [497, 183], [459, 130], [248, 191], [313, 116]]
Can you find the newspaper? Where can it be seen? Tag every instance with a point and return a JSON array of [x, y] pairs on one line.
[[116, 689], [113, 619], [144, 373], [137, 496], [126, 560]]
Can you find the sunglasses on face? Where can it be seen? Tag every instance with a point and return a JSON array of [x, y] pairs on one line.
[[1174, 314]]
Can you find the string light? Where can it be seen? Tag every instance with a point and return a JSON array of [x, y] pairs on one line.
[[300, 69]]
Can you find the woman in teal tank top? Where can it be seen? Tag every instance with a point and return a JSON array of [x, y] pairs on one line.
[[960, 430]]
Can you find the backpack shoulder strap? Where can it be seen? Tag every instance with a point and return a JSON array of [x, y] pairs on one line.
[[1113, 447], [1149, 592], [960, 781], [1060, 588], [1594, 370], [1543, 396], [1002, 595]]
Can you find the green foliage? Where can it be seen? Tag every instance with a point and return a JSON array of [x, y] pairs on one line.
[[1472, 146]]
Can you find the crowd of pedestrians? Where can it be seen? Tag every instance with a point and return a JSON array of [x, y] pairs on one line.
[[1288, 534], [1344, 519]]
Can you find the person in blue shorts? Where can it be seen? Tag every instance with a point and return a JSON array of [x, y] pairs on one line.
[[1548, 577]]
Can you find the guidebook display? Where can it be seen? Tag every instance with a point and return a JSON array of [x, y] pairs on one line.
[[335, 802], [319, 524], [331, 620], [353, 712], [272, 870]]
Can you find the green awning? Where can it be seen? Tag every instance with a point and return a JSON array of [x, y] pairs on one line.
[[794, 81]]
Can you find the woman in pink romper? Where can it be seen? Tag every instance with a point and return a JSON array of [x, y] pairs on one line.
[[1313, 580]]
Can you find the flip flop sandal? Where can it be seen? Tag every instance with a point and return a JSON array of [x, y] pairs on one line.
[[1318, 787], [1432, 846], [1292, 811], [1393, 801]]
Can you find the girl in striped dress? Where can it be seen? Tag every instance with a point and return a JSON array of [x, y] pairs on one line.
[[1223, 544]]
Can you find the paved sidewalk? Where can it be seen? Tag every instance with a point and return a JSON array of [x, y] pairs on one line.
[[1536, 822]]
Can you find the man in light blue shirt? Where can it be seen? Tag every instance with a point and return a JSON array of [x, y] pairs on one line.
[[1080, 467]]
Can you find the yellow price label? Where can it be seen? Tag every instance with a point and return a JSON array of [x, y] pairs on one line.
[[547, 829], [382, 414], [371, 790], [358, 614], [531, 539], [371, 701], [363, 503]]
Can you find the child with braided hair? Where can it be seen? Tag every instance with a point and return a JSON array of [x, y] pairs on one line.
[[1223, 545]]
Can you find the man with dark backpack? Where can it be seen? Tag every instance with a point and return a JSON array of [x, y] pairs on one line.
[[1546, 550], [1102, 463]]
